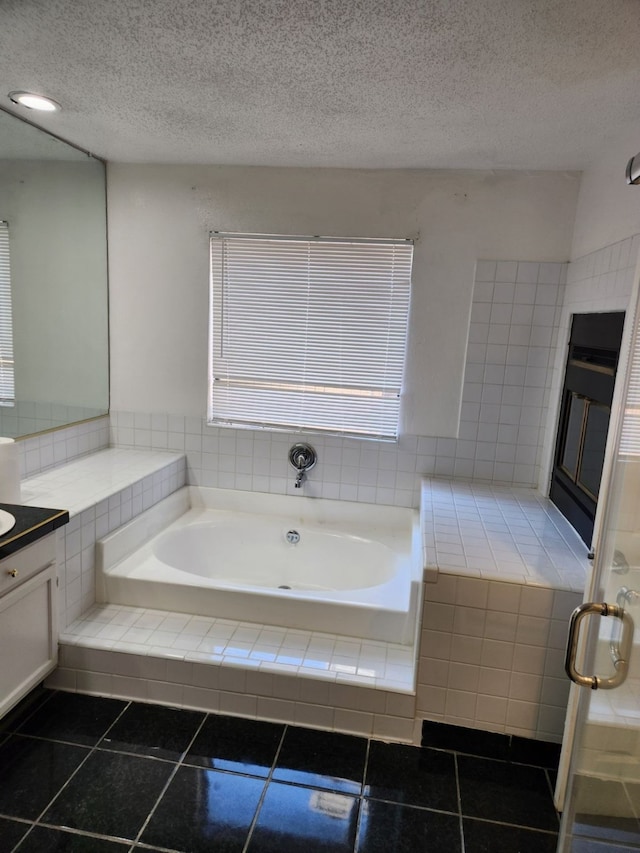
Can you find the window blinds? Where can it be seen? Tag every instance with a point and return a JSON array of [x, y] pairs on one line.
[[630, 427], [308, 334], [7, 391]]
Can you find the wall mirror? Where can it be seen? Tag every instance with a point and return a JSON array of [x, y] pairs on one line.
[[53, 204]]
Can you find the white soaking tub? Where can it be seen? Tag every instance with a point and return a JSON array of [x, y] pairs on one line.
[[298, 562]]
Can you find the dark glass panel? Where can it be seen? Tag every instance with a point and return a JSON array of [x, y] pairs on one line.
[[573, 433], [595, 440]]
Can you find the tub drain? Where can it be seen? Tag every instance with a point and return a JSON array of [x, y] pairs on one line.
[[284, 586]]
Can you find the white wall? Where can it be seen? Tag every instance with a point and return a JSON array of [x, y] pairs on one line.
[[608, 209], [160, 216]]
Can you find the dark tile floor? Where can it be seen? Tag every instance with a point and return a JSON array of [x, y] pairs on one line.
[[79, 773]]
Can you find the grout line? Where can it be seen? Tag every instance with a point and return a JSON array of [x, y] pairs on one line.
[[514, 825], [362, 795], [462, 752], [459, 799], [20, 820], [142, 845], [172, 775], [137, 844], [264, 790], [552, 792], [412, 806], [90, 752], [85, 833]]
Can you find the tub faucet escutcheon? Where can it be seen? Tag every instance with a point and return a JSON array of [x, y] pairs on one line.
[[302, 457]]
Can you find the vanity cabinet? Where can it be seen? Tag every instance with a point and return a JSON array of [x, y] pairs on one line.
[[28, 619]]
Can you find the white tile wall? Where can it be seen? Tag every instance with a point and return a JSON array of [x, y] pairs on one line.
[[600, 281], [42, 452], [27, 417], [506, 572], [491, 656], [257, 460], [511, 349], [603, 280]]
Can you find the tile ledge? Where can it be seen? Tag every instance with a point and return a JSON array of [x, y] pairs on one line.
[[337, 676]]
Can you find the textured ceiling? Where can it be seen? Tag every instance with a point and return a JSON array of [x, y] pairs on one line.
[[525, 84]]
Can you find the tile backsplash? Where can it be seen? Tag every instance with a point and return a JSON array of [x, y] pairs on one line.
[[48, 450], [256, 460], [26, 417], [511, 348], [512, 345]]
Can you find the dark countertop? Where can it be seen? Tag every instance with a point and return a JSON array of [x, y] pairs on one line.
[[32, 523]]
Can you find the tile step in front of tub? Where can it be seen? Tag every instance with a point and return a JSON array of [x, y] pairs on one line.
[[262, 671]]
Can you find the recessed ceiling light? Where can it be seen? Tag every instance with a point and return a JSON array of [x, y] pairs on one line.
[[34, 102]]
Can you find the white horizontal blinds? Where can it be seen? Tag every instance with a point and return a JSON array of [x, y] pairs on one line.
[[7, 391], [630, 428], [309, 333]]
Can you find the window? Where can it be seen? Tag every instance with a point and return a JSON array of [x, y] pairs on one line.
[[308, 333], [7, 391]]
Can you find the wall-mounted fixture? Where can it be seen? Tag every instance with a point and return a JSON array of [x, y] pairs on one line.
[[302, 457], [633, 170], [34, 102]]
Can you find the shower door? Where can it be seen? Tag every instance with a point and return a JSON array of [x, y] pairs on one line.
[[602, 804]]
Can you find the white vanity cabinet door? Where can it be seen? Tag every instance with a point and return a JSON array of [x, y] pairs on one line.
[[28, 629]]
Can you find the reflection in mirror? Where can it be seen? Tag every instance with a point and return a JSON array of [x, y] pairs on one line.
[[52, 201]]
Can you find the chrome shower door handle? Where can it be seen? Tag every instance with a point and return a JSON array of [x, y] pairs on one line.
[[621, 666]]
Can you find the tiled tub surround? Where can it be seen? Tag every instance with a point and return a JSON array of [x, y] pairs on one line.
[[321, 679], [101, 491], [514, 321], [257, 460], [500, 533], [519, 323], [355, 569], [490, 655], [259, 671], [495, 619]]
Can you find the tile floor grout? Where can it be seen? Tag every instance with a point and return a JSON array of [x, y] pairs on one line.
[[169, 780], [374, 803], [84, 760], [264, 791]]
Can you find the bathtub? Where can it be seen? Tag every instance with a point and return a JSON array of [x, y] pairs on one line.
[[298, 562]]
